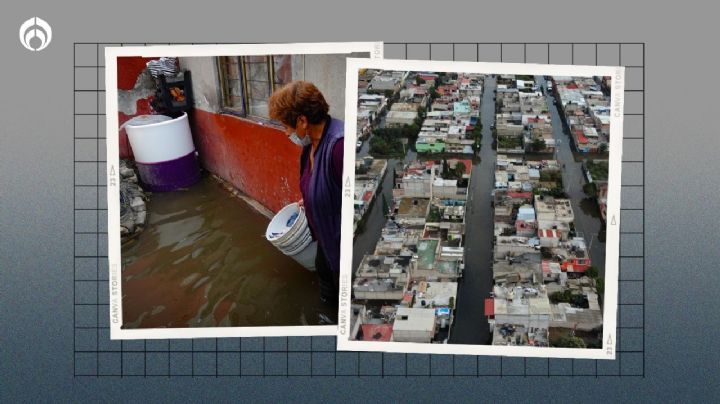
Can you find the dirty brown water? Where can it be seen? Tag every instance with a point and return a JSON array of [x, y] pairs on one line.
[[203, 261]]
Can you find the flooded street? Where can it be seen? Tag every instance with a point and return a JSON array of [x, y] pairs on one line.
[[203, 261], [471, 325], [587, 215]]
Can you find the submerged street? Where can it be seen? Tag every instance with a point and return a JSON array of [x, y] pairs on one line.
[[470, 325], [587, 216]]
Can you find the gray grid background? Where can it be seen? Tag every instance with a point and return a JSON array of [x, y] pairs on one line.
[[96, 355]]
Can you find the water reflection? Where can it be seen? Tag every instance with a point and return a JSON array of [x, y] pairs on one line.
[[203, 261], [590, 207]]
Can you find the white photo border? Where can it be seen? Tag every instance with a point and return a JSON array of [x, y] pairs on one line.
[[612, 251], [375, 49]]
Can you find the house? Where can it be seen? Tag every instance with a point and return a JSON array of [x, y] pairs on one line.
[[429, 145], [414, 181], [526, 213], [563, 315], [379, 289], [412, 211], [403, 106], [548, 208], [383, 267], [382, 82], [414, 325], [572, 255], [552, 272], [549, 237], [434, 294], [516, 272], [512, 246], [503, 213], [525, 228], [519, 316], [519, 198], [377, 332], [449, 189], [395, 119], [462, 109]]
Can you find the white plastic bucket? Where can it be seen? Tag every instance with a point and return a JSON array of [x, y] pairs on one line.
[[277, 231], [306, 257], [159, 138], [294, 241]]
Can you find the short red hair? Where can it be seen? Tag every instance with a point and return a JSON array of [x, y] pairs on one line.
[[296, 99]]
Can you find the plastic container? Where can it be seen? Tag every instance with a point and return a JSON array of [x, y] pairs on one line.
[[295, 240], [158, 138], [164, 151]]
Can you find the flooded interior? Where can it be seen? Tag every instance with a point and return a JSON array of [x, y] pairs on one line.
[[203, 261]]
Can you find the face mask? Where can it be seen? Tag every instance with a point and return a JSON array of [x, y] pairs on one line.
[[298, 141]]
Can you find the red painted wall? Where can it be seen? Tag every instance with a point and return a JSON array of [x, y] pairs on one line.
[[256, 159], [128, 70]]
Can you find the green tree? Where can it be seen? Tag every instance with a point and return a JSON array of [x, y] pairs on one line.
[[433, 93], [538, 144], [460, 169], [603, 147], [421, 112], [442, 78], [570, 342], [592, 272], [433, 214], [590, 189], [419, 80], [600, 286]]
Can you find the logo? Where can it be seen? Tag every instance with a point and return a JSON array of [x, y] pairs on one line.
[[35, 34]]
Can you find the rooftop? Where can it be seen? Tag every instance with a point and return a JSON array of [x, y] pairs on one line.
[[434, 294], [401, 115], [411, 319], [377, 332], [520, 271], [383, 266], [377, 285], [413, 207], [427, 249]]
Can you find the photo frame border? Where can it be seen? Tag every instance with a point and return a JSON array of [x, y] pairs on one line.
[[608, 350], [375, 49]]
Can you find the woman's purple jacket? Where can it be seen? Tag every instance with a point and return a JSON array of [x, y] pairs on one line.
[[323, 198]]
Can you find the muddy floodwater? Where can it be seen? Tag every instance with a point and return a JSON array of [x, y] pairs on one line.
[[203, 261]]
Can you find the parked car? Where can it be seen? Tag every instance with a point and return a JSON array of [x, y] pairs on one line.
[[358, 146]]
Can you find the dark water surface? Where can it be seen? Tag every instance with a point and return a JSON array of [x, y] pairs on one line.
[[203, 261]]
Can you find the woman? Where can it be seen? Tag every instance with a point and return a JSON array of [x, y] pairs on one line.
[[303, 111]]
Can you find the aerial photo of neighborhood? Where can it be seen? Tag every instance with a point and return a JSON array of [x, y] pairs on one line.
[[480, 209]]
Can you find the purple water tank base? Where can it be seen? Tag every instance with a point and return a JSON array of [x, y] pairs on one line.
[[169, 175]]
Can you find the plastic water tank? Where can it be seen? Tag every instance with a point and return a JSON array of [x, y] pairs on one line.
[[164, 151]]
